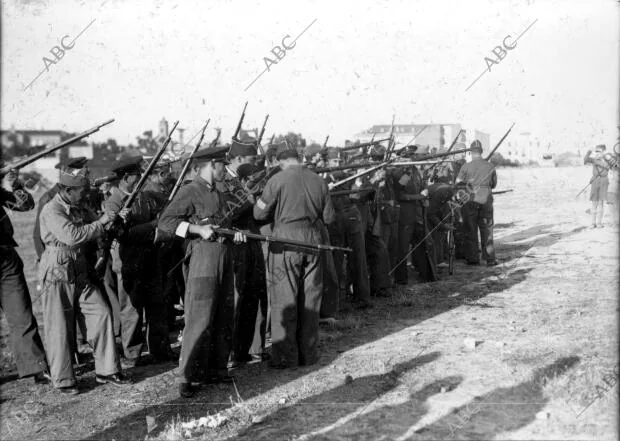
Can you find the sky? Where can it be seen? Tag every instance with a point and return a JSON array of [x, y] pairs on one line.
[[355, 64]]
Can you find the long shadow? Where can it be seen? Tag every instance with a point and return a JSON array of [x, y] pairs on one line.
[[253, 380], [388, 422], [502, 410], [332, 406]]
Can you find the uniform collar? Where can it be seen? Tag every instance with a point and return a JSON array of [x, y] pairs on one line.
[[64, 204], [201, 181]]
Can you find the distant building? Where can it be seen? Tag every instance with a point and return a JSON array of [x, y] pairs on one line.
[[438, 136], [39, 139], [524, 148]]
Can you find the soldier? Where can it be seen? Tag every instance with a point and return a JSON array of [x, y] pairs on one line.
[[299, 202], [70, 288], [439, 193], [600, 183], [480, 176], [209, 296], [71, 163], [15, 299], [411, 195], [136, 266], [249, 262]]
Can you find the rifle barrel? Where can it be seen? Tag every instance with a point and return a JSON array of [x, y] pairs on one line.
[[359, 146], [149, 169], [240, 122], [228, 232], [187, 164], [30, 159], [500, 142]]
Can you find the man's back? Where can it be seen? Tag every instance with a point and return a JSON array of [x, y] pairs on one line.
[[298, 196], [482, 176]]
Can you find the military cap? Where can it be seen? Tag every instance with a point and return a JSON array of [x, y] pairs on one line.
[[239, 148], [128, 166], [476, 146], [246, 170], [284, 151], [271, 153], [601, 147], [311, 150], [217, 154], [333, 153], [74, 177], [377, 151], [162, 164], [460, 146], [79, 162]]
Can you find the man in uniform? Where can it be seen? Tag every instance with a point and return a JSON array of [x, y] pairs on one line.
[[480, 176], [70, 288], [249, 262], [136, 265], [209, 295], [299, 202], [71, 163], [15, 299], [600, 183], [411, 195]]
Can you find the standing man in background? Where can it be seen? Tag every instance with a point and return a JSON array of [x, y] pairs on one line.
[[480, 175], [600, 183]]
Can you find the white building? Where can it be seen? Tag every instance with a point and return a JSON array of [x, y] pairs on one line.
[[439, 136]]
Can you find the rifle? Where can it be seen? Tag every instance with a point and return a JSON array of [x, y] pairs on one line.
[[217, 138], [425, 157], [347, 192], [297, 243], [449, 148], [236, 134], [30, 159], [325, 143], [134, 194], [500, 142], [187, 164], [260, 136], [360, 174], [109, 178], [392, 142], [414, 137], [359, 146], [501, 191], [343, 167]]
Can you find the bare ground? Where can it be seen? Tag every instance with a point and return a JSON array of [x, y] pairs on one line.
[[545, 363]]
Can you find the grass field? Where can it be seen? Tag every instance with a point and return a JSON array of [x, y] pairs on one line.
[[524, 350]]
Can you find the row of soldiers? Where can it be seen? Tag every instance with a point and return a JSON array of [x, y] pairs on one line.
[[114, 271]]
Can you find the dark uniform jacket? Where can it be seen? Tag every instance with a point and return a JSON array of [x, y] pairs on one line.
[[17, 200]]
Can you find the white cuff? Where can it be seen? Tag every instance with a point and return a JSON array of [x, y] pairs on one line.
[[182, 229]]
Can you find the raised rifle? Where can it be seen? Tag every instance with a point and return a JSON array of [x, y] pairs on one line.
[[134, 194], [30, 159], [236, 134], [359, 146], [260, 137], [187, 164], [425, 157], [325, 143], [501, 191], [500, 142], [392, 142], [360, 174], [449, 148], [343, 167]]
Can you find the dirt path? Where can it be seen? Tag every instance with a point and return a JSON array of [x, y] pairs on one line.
[[544, 364]]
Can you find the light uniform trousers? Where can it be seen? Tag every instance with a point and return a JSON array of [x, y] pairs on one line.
[[69, 296]]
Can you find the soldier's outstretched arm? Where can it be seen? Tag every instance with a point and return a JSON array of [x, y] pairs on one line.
[[267, 201]]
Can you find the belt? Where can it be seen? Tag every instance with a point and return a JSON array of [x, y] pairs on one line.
[[74, 249]]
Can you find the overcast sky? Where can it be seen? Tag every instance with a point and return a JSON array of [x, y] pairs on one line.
[[358, 63]]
